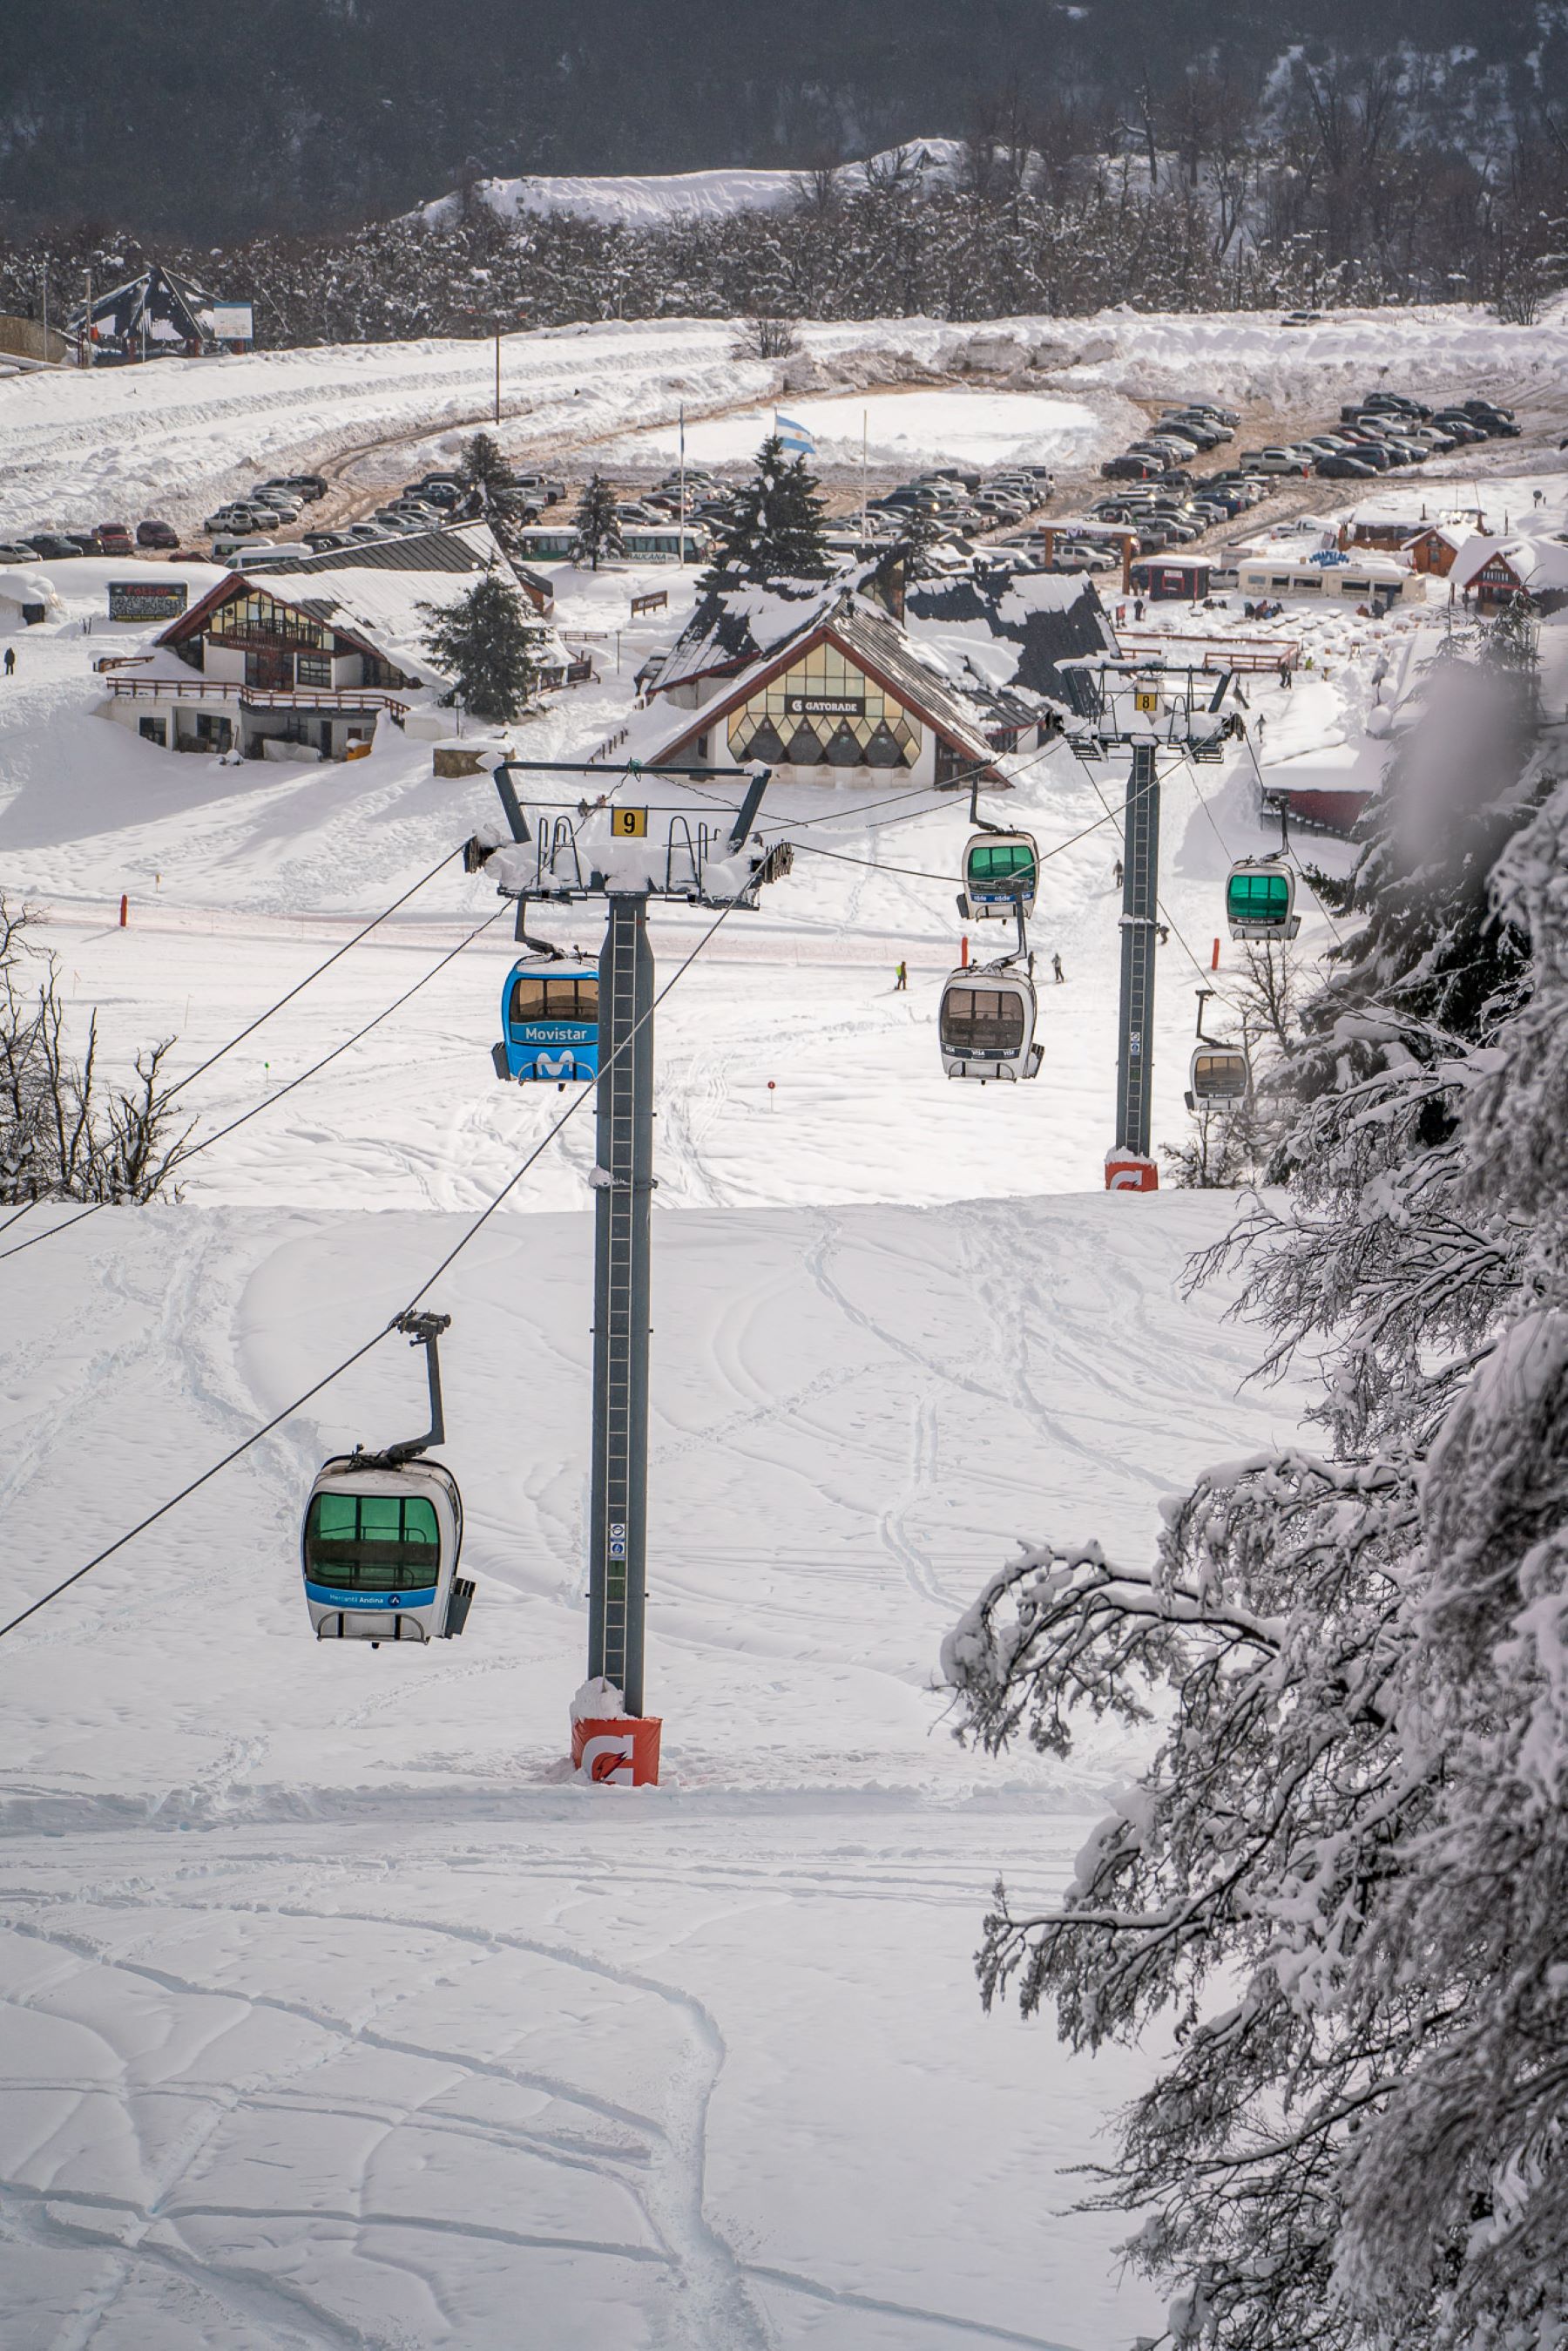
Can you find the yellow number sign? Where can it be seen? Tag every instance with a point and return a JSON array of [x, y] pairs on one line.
[[1146, 699], [628, 823]]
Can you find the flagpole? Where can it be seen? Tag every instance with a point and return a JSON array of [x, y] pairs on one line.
[[681, 557]]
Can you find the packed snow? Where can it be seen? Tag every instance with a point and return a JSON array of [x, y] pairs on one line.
[[909, 429]]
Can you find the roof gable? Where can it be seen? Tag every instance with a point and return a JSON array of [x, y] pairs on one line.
[[877, 645]]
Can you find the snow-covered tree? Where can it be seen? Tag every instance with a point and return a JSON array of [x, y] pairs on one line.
[[1344, 1877], [598, 524], [487, 646], [774, 528], [487, 472]]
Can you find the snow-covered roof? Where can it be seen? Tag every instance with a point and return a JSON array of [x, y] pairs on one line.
[[161, 305], [913, 672], [731, 627], [1540, 565], [29, 588], [995, 627], [383, 592]]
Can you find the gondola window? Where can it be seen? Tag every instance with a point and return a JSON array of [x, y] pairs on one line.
[[372, 1542], [983, 1020]]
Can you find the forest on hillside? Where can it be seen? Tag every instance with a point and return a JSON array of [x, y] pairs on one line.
[[221, 124], [1333, 192]]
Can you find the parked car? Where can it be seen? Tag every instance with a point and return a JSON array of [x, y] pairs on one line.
[[53, 546], [153, 533], [1347, 469], [1130, 468], [86, 542], [1300, 319], [115, 538], [310, 487], [319, 541]]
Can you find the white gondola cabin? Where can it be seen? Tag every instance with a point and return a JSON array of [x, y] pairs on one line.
[[1220, 1073], [381, 1545], [987, 1025], [1259, 900], [383, 1531], [1001, 875]]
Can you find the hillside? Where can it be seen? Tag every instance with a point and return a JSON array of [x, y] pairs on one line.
[[292, 115]]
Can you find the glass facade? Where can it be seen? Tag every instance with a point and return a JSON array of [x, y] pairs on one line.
[[823, 711], [256, 619]]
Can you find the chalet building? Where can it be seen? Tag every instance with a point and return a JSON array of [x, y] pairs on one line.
[[1495, 570], [815, 680], [299, 660], [815, 685], [161, 315]]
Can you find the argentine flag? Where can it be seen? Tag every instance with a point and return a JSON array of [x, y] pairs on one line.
[[798, 441]]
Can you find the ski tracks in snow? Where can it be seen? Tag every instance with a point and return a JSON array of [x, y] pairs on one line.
[[657, 2159]]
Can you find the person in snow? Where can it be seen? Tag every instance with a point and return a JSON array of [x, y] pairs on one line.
[[1138, 608], [10, 661], [1116, 872], [1056, 971], [900, 979]]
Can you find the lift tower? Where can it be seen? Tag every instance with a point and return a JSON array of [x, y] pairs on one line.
[[1143, 706], [692, 852]]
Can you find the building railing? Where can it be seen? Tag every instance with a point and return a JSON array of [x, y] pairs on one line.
[[260, 697]]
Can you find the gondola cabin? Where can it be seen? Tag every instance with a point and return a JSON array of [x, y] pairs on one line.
[[1001, 872], [987, 1025], [549, 1023], [1259, 899], [1219, 1074], [381, 1544]]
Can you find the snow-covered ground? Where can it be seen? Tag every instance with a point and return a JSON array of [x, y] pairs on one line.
[[913, 428], [330, 2013], [177, 437], [662, 199]]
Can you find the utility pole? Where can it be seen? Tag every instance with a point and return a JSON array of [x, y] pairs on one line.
[[87, 324], [618, 1558], [498, 370], [681, 539], [1140, 893]]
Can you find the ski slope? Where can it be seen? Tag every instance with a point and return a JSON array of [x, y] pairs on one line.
[[334, 2014]]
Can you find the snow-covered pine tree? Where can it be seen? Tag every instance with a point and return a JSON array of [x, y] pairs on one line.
[[492, 483], [774, 530], [598, 524], [487, 646], [1345, 1876]]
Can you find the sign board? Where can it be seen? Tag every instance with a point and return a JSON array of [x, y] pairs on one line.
[[628, 823], [147, 600], [826, 705], [1146, 699], [232, 322]]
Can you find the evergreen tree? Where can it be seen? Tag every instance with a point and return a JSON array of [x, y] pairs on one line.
[[774, 530], [492, 483], [598, 524], [1344, 1875], [487, 646]]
